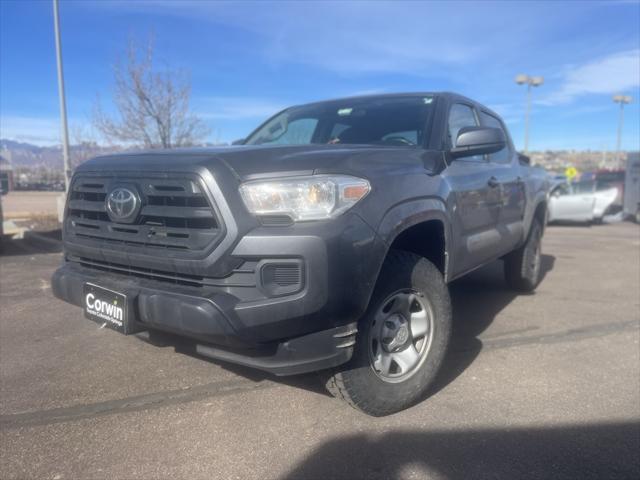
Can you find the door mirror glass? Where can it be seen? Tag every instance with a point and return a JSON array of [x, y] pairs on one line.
[[478, 141]]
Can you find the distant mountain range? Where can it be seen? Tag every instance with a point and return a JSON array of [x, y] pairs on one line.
[[21, 154]]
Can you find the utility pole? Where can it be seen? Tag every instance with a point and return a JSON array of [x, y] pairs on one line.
[[63, 103], [531, 82], [622, 100]]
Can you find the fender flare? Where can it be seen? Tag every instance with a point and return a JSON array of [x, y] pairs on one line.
[[413, 212], [540, 199]]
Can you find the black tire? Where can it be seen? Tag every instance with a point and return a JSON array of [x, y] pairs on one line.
[[522, 266], [357, 382]]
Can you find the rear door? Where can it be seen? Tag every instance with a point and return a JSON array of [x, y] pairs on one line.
[[475, 197]]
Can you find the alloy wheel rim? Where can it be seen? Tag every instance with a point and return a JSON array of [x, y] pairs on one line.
[[400, 336]]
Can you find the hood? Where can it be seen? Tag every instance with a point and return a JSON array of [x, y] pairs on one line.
[[256, 161]]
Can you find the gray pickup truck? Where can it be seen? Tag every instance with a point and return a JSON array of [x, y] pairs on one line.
[[323, 242]]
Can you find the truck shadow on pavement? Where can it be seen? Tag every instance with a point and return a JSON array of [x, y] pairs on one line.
[[477, 299], [32, 243], [594, 451]]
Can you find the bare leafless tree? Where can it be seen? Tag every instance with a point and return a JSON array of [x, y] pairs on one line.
[[85, 145], [152, 105]]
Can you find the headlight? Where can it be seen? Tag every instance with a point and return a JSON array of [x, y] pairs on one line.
[[304, 198]]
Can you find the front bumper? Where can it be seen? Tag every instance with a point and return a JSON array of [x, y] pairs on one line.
[[208, 321], [225, 299]]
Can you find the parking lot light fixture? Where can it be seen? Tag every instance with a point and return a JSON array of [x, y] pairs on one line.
[[523, 79], [622, 100]]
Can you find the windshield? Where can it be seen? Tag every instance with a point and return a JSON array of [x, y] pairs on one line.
[[399, 121]]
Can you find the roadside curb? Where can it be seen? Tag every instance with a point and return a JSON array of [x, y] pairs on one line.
[[42, 242]]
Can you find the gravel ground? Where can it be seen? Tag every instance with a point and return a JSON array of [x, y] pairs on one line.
[[536, 386]]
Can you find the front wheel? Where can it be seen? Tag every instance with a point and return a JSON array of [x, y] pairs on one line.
[[402, 339]]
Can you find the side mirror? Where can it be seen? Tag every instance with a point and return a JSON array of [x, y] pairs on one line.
[[524, 159], [240, 141], [478, 141]]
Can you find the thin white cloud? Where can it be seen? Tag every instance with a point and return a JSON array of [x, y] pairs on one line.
[[424, 39], [237, 108], [34, 130], [618, 72], [350, 38], [44, 131]]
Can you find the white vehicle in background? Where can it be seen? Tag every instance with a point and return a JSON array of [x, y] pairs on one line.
[[579, 202]]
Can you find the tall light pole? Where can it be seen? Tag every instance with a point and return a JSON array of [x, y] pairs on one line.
[[622, 100], [531, 82], [63, 103]]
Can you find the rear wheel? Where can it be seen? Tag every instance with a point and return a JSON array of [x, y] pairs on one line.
[[522, 266], [401, 340]]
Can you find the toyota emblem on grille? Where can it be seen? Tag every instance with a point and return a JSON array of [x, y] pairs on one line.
[[122, 205]]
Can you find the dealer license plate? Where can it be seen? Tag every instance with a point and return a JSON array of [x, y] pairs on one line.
[[106, 307]]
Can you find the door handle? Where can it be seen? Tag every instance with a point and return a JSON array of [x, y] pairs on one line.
[[493, 182]]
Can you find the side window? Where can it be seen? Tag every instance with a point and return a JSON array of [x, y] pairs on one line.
[[583, 187], [461, 116], [504, 155]]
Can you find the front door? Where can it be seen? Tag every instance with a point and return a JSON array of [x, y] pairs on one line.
[[475, 199]]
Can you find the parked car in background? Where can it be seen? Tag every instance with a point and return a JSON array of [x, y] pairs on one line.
[[632, 187], [605, 180], [580, 202]]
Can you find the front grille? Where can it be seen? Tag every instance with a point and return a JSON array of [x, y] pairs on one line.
[[153, 274], [241, 276], [175, 215]]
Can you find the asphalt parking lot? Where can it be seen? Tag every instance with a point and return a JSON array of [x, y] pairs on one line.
[[536, 386]]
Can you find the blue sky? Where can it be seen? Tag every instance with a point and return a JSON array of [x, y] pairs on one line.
[[247, 60]]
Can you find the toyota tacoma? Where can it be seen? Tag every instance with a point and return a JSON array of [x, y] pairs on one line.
[[324, 241]]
